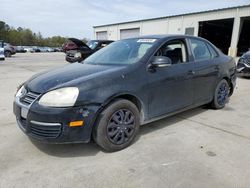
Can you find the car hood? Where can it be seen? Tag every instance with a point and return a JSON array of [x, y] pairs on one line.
[[70, 75], [79, 43], [246, 55]]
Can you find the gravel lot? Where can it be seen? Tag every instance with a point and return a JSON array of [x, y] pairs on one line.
[[197, 148]]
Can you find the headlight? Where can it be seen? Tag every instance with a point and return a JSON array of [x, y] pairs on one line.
[[21, 92], [78, 55], [63, 97]]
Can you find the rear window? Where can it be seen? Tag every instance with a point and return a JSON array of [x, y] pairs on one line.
[[212, 51], [200, 50]]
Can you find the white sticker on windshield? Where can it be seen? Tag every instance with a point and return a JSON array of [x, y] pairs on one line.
[[147, 40]]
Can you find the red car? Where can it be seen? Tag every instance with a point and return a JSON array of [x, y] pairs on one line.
[[77, 51], [71, 44]]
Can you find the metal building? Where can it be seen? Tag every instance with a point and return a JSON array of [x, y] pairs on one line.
[[227, 28]]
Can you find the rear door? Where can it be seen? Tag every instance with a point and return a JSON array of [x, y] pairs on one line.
[[171, 88], [206, 70]]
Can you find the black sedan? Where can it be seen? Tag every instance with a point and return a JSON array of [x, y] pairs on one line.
[[122, 86], [84, 50], [243, 65]]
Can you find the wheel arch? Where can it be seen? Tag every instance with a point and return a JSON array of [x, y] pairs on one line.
[[230, 84]]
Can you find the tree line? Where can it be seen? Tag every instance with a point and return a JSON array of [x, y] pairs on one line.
[[25, 37]]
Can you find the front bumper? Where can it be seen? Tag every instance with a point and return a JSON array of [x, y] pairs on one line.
[[51, 125], [243, 69], [245, 72], [72, 59]]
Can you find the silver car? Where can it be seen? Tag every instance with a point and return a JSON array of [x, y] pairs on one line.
[[9, 50]]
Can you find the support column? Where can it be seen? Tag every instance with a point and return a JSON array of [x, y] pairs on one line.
[[235, 35]]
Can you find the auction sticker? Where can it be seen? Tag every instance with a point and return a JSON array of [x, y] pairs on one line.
[[147, 40]]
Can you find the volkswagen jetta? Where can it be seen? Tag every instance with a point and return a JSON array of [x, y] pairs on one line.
[[122, 86]]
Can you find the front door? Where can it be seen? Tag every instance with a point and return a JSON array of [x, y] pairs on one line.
[[171, 88]]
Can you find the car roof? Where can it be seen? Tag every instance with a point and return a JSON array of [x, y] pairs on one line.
[[167, 36], [102, 40]]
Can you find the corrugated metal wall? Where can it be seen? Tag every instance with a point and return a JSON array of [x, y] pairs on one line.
[[178, 24]]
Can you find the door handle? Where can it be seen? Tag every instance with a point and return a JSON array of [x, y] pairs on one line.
[[191, 72]]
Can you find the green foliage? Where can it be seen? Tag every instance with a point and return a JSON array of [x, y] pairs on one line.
[[25, 37]]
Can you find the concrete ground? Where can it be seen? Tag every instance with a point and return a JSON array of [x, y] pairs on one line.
[[198, 148]]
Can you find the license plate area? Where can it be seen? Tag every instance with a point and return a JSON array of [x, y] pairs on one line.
[[24, 112]]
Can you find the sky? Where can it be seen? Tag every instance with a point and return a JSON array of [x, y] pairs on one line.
[[76, 18]]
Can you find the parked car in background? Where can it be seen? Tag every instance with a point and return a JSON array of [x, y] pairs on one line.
[[98, 44], [44, 49], [85, 50], [41, 49], [57, 49], [9, 50], [71, 44], [36, 48], [29, 49], [243, 65], [49, 49], [122, 86], [20, 49], [2, 57]]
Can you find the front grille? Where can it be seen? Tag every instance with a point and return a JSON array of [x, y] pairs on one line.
[[29, 98], [247, 61], [45, 131], [70, 55]]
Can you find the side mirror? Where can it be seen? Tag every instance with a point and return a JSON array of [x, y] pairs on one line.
[[161, 61]]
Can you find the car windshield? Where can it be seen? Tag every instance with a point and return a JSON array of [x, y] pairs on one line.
[[122, 52], [92, 44]]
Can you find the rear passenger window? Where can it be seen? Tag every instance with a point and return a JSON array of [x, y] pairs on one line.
[[200, 50], [212, 51]]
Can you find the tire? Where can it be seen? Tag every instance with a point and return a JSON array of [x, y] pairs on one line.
[[221, 95], [7, 53], [117, 125]]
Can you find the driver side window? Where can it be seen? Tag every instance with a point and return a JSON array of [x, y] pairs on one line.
[[175, 50]]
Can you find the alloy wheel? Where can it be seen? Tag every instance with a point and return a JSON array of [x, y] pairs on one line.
[[222, 94], [121, 126]]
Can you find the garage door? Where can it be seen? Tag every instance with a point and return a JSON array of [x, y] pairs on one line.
[[129, 33], [103, 35], [219, 32]]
